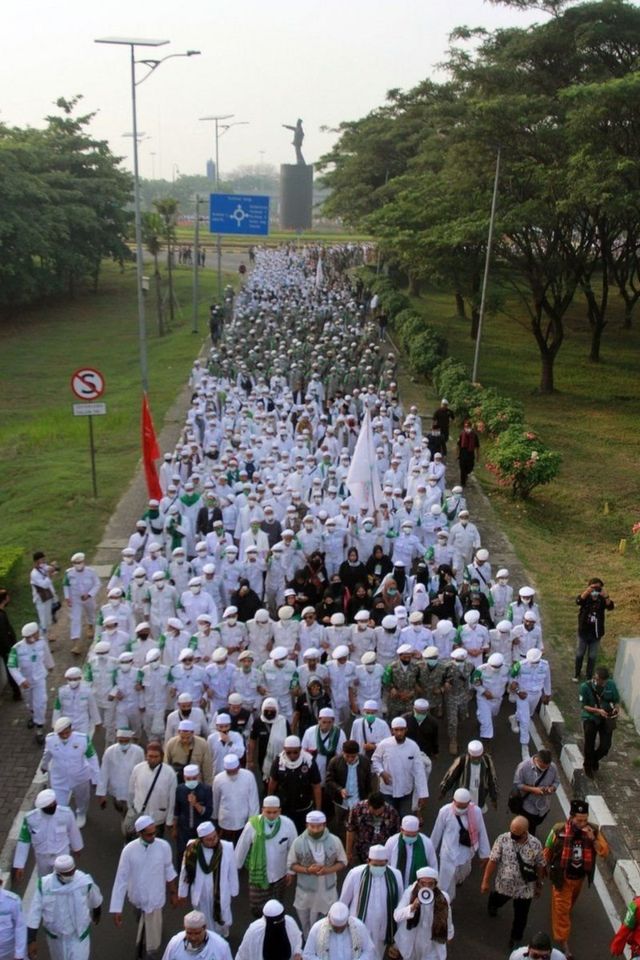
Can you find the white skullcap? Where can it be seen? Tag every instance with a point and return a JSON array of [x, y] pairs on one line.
[[143, 822], [430, 653], [398, 723], [504, 626], [311, 654], [64, 863], [186, 654], [272, 908], [326, 714], [502, 572], [315, 816], [340, 652], [482, 555], [175, 623], [278, 653], [77, 558], [223, 718], [361, 616], [110, 620], [307, 610], [462, 795], [158, 575], [45, 798], [186, 725], [475, 748], [368, 657], [185, 697], [231, 762], [245, 655], [339, 913], [292, 742], [285, 613], [30, 629], [204, 618], [421, 704], [205, 829], [219, 654], [370, 705], [496, 660], [472, 616], [443, 627], [262, 616], [191, 771], [143, 626], [526, 592], [400, 611], [530, 615], [410, 823], [152, 655], [230, 612], [62, 723], [389, 622], [337, 619], [235, 699], [416, 617], [378, 852], [534, 655], [427, 873], [125, 733], [194, 920], [102, 646], [271, 803], [459, 654], [404, 648], [114, 593], [73, 673]]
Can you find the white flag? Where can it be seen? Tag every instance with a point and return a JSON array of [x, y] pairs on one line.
[[363, 480], [319, 273]]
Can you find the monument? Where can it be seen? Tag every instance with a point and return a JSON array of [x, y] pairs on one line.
[[296, 186]]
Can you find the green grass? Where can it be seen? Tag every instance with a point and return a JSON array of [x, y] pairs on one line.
[[45, 476], [242, 241], [571, 529]]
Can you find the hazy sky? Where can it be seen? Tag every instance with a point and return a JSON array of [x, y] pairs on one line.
[[266, 61]]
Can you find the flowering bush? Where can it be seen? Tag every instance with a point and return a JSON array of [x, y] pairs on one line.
[[635, 535], [497, 413], [521, 461]]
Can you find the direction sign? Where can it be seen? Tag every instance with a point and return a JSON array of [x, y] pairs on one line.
[[89, 409], [239, 214], [87, 383]]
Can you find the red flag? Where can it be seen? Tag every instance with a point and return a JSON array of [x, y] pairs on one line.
[[150, 451]]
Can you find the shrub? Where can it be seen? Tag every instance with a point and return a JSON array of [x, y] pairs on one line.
[[448, 374], [10, 557], [495, 413], [521, 461], [426, 351]]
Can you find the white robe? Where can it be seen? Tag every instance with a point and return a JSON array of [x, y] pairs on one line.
[[392, 845], [376, 916], [116, 769], [276, 851], [253, 940], [235, 799], [455, 859], [201, 890], [339, 946], [142, 875], [216, 948], [416, 944]]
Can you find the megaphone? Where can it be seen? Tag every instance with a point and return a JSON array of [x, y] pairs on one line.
[[425, 896]]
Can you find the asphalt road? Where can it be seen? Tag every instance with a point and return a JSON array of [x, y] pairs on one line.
[[476, 935]]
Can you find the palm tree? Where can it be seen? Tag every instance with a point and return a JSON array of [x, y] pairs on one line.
[[152, 234], [167, 209]]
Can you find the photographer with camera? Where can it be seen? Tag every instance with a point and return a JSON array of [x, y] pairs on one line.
[[599, 698], [593, 602]]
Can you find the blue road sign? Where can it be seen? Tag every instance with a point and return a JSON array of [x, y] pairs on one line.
[[239, 214]]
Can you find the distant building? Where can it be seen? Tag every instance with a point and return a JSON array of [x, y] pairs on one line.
[[211, 170]]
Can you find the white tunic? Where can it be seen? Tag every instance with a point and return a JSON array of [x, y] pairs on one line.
[[162, 801], [116, 769], [13, 929], [417, 944], [339, 945], [216, 948], [253, 940], [277, 849], [235, 799], [403, 761], [392, 845], [201, 890], [50, 835], [375, 919], [144, 870]]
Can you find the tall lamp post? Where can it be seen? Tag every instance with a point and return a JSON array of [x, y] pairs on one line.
[[151, 64], [238, 123], [487, 261]]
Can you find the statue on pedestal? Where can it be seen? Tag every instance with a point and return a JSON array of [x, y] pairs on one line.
[[298, 137]]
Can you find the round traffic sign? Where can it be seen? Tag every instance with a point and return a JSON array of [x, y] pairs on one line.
[[87, 383]]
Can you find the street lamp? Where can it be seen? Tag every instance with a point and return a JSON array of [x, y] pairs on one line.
[[238, 123], [151, 64], [487, 261]]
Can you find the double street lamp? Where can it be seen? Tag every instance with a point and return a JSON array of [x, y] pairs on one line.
[[151, 64]]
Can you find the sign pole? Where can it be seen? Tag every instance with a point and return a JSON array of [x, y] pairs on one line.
[[92, 450]]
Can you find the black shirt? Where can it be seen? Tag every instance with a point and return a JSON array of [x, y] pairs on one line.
[[295, 787]]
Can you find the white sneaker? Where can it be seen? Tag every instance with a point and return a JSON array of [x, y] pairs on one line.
[[81, 819], [513, 720]]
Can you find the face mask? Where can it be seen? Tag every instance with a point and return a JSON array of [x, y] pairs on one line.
[[142, 637], [432, 663], [409, 840], [147, 843], [377, 871], [232, 621], [124, 746], [370, 667], [464, 522], [125, 667], [503, 581], [191, 784], [419, 716], [270, 715], [74, 684], [594, 594], [516, 837], [370, 717], [155, 664], [50, 810], [64, 877], [180, 561], [195, 591], [160, 586], [460, 666], [392, 592]]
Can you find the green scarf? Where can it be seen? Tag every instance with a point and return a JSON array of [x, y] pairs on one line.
[[392, 900], [326, 746], [419, 858], [258, 852]]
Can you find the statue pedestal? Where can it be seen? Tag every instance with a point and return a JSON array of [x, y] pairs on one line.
[[296, 196]]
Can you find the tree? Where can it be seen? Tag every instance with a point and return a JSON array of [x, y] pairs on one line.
[[167, 209]]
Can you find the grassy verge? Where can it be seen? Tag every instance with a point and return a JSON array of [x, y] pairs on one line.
[[570, 530], [45, 473]]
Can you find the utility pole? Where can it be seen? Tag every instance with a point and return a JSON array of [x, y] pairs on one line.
[[196, 264], [487, 261]]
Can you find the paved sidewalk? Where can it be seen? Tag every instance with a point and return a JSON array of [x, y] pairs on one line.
[[20, 754]]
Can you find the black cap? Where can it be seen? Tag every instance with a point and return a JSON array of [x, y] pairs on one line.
[[579, 806]]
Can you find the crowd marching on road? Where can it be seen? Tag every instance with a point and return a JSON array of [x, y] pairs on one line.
[[293, 628]]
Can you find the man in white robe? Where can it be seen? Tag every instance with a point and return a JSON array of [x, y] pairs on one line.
[[315, 857], [410, 850], [274, 936], [145, 873], [64, 902], [196, 940], [339, 937], [209, 877], [117, 766], [459, 832], [266, 841], [398, 763], [235, 798], [51, 830], [372, 892], [424, 919]]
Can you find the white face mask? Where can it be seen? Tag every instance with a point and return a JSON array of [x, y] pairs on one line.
[[370, 667], [195, 591], [232, 621], [160, 586], [124, 746], [125, 667], [155, 664], [74, 684]]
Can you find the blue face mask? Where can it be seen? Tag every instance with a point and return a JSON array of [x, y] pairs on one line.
[[191, 784], [432, 663], [377, 871], [409, 839]]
